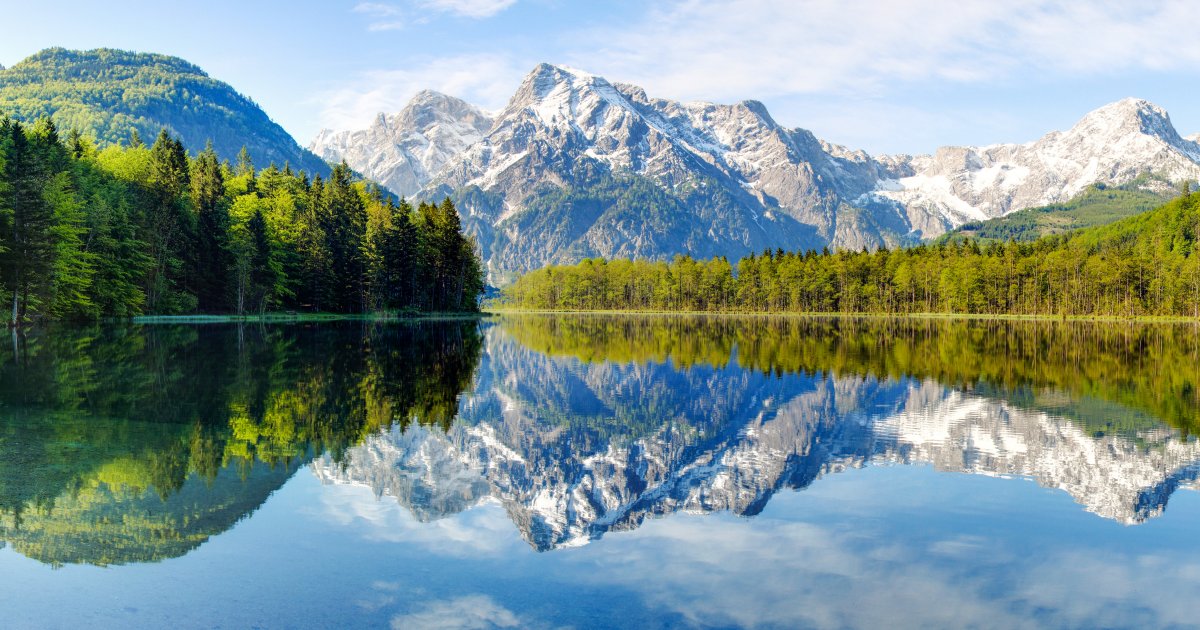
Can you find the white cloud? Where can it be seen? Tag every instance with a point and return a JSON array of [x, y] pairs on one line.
[[377, 9], [483, 530], [471, 612], [720, 49], [470, 8], [385, 17], [856, 72], [484, 79], [390, 17], [854, 575]]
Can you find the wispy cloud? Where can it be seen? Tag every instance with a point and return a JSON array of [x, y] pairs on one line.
[[484, 79], [859, 72], [384, 17], [390, 17], [469, 8], [470, 612], [720, 48]]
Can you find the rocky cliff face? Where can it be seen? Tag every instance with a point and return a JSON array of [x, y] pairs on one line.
[[403, 151], [576, 166], [575, 450]]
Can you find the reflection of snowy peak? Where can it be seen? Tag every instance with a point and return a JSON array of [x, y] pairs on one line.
[[1111, 476], [574, 450]]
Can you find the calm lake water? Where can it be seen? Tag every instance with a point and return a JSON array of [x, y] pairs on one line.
[[596, 472]]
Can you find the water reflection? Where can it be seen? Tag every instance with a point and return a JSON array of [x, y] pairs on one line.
[[134, 444], [585, 425]]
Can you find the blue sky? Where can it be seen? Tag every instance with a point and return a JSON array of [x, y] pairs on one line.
[[884, 76]]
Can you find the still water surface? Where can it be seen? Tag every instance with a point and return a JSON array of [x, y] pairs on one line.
[[546, 471]]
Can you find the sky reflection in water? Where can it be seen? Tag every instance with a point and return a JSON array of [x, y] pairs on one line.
[[1004, 475]]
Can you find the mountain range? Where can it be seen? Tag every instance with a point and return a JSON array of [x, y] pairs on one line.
[[577, 166]]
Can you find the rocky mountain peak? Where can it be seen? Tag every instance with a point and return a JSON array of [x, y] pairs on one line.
[[1125, 117], [555, 94], [404, 150], [537, 184]]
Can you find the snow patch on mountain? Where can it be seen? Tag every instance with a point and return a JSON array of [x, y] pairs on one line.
[[1113, 145], [742, 181], [403, 151]]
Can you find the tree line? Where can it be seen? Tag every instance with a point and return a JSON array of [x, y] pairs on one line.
[[1146, 265], [136, 229]]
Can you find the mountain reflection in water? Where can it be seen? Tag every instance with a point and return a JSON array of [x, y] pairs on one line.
[[138, 443], [581, 425]]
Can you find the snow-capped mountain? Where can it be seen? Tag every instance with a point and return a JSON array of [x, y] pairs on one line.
[[1113, 144], [576, 166], [718, 439], [403, 151]]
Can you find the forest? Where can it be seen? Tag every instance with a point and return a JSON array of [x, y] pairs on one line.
[[1144, 265], [136, 229]]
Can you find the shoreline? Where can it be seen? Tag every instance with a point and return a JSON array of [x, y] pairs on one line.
[[284, 318], [1136, 319]]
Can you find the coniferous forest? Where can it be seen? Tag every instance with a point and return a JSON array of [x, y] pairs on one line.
[[1145, 265], [137, 229]]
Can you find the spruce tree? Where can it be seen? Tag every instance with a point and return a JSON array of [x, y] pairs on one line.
[[345, 230], [30, 246], [212, 259]]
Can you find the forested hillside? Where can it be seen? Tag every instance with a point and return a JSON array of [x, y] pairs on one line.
[[151, 230], [1147, 264], [108, 94], [1097, 205]]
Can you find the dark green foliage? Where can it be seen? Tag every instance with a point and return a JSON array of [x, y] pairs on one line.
[[1142, 265], [343, 219], [118, 96], [132, 443], [28, 229], [128, 231], [212, 260], [1097, 205]]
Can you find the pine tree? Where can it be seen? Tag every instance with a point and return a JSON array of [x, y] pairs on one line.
[[345, 231], [264, 270], [73, 266], [30, 240], [169, 228], [212, 258]]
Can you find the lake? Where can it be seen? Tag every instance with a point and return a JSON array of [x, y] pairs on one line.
[[601, 471]]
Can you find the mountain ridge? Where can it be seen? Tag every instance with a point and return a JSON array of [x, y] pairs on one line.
[[108, 93], [729, 180]]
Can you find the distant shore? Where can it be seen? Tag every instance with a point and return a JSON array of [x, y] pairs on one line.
[[1145, 319]]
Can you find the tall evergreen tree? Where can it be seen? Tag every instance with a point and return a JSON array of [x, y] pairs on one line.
[[169, 227], [30, 239], [212, 258], [345, 228]]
